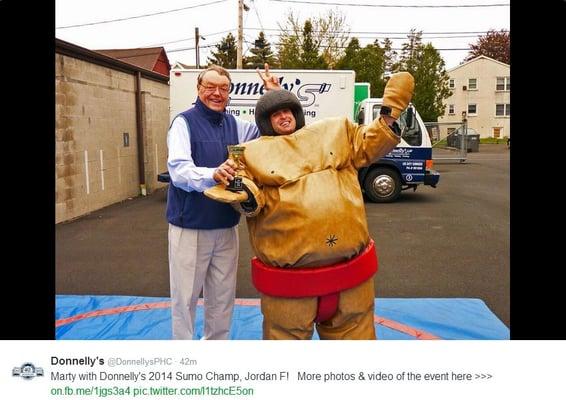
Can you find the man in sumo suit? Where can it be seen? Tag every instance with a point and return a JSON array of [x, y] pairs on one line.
[[314, 261]]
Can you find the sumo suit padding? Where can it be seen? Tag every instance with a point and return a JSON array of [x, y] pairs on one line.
[[308, 212]]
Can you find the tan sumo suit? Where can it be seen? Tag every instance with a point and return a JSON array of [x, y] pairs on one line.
[[306, 218]]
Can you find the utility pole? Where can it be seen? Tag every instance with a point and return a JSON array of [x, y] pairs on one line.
[[240, 44], [197, 37]]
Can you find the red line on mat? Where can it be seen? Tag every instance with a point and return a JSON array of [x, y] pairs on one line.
[[111, 311], [417, 333]]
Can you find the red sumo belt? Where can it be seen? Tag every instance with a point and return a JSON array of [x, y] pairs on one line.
[[324, 282]]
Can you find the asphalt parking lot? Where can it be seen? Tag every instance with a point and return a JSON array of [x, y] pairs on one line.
[[447, 242]]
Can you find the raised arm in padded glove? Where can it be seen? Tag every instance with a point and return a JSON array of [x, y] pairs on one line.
[[397, 94]]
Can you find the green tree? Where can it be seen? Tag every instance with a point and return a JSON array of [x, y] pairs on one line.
[[390, 55], [368, 62], [496, 45], [351, 54], [329, 34], [433, 84], [431, 80], [334, 33], [310, 58], [289, 49], [261, 54], [410, 50], [226, 53]]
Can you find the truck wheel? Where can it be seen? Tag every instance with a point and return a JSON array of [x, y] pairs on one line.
[[382, 185]]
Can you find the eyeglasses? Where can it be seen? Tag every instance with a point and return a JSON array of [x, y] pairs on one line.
[[212, 89]]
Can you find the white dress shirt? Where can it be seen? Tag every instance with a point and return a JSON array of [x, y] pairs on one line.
[[183, 172]]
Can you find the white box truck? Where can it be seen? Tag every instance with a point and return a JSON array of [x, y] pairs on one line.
[[326, 93], [321, 93]]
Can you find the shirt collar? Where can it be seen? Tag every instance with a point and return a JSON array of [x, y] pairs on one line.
[[211, 115]]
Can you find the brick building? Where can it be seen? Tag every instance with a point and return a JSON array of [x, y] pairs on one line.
[[111, 128]]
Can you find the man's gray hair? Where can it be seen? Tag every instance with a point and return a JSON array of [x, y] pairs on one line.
[[221, 71]]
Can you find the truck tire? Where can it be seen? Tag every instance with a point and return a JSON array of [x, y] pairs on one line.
[[382, 185]]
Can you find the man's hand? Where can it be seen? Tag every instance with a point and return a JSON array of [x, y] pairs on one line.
[[270, 82], [397, 94], [225, 172]]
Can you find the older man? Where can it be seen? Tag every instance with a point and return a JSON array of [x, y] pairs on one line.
[[203, 235], [306, 219]]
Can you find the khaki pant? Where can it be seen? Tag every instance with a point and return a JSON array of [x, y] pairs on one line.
[[293, 318], [202, 259]]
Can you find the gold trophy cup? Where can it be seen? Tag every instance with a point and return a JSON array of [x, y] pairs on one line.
[[235, 153]]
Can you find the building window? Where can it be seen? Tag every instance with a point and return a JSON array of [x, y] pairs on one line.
[[472, 109], [503, 110], [503, 83], [451, 84], [450, 109], [472, 84]]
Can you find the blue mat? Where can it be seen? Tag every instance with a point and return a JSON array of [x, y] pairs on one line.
[[127, 317]]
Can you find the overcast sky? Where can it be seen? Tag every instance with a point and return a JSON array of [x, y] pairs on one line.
[[444, 27]]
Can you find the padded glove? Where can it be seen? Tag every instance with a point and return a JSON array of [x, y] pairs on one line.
[[397, 94], [220, 193]]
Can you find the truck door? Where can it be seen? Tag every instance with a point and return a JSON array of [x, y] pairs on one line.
[[413, 151]]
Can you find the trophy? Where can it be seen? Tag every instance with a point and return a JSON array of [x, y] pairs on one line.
[[235, 153]]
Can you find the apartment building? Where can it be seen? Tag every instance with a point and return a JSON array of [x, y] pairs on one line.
[[481, 88]]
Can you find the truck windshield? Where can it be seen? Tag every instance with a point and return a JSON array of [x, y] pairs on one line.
[[411, 134]]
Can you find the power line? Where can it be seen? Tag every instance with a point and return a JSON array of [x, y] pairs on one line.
[[380, 33], [140, 16], [358, 37], [390, 37], [191, 38], [456, 35], [247, 41], [445, 49], [256, 13], [344, 47], [191, 48], [393, 5], [426, 38]]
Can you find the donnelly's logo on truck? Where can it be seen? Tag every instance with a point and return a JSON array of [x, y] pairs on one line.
[[306, 93], [322, 94]]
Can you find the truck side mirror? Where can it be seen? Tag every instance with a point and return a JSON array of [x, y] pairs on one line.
[[410, 118], [361, 116]]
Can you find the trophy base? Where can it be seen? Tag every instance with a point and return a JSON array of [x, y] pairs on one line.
[[236, 185]]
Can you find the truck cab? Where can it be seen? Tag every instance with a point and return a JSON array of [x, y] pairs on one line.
[[407, 166]]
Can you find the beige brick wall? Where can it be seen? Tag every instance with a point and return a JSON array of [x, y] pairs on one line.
[[95, 105], [155, 100]]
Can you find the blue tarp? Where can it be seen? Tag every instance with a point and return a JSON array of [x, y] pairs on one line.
[[128, 317]]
